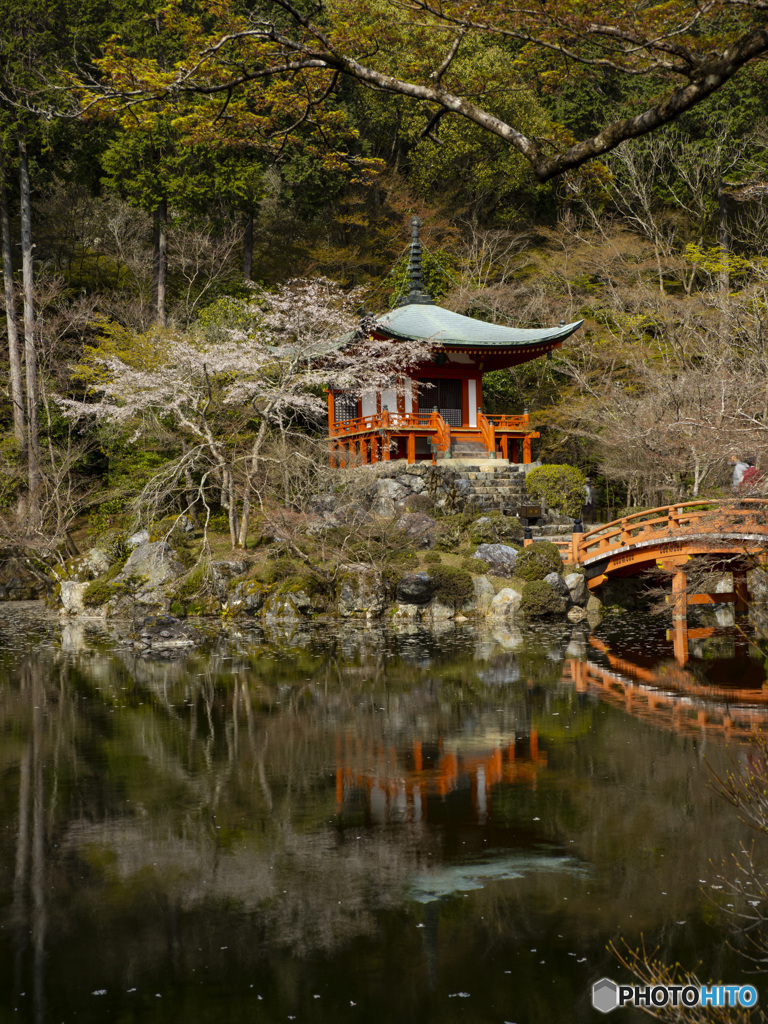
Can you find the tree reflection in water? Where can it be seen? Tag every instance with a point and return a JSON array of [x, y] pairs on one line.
[[369, 817]]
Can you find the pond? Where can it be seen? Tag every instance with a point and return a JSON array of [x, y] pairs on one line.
[[349, 823]]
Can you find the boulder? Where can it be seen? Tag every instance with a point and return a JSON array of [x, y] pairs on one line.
[[408, 613], [137, 539], [361, 593], [245, 597], [577, 587], [439, 612], [415, 588], [500, 558], [558, 584], [294, 605], [165, 633], [418, 527], [576, 614], [415, 484], [505, 604], [71, 596], [223, 572], [484, 594], [147, 574]]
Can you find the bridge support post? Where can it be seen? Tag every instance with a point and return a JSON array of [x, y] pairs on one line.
[[680, 617], [741, 591]]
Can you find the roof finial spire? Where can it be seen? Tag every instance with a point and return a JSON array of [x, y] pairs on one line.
[[418, 294]]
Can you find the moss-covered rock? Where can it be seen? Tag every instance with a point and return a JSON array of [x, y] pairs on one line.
[[495, 528], [537, 561], [540, 601], [98, 592]]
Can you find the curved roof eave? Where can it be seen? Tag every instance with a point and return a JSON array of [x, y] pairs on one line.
[[433, 323]]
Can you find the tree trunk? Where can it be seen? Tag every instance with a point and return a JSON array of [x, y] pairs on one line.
[[161, 260], [14, 352], [723, 238], [30, 349], [248, 247]]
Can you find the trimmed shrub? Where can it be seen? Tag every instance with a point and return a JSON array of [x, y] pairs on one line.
[[538, 560], [452, 584], [561, 487], [433, 558], [539, 601]]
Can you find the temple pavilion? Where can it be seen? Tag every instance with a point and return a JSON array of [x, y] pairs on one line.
[[440, 415]]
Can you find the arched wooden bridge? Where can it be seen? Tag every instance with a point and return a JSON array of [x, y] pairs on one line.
[[669, 536]]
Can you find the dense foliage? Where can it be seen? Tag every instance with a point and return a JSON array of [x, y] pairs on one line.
[[153, 209]]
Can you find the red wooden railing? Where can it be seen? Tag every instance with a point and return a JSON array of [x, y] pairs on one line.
[[749, 515]]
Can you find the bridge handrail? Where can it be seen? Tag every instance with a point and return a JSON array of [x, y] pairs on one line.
[[632, 528]]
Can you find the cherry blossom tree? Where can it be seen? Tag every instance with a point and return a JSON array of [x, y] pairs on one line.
[[248, 369]]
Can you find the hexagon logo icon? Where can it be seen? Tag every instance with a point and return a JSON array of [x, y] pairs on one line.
[[605, 995]]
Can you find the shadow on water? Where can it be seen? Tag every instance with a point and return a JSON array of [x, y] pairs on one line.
[[343, 823]]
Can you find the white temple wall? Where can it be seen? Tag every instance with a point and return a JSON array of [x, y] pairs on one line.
[[369, 403], [472, 401]]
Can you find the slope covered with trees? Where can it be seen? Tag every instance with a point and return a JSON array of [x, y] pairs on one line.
[[167, 169]]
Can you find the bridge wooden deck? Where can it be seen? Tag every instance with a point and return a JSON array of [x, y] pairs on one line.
[[669, 536]]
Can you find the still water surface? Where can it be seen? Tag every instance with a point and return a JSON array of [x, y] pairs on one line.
[[354, 824]]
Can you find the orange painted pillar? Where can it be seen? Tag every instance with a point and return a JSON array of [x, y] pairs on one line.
[[411, 448], [374, 449], [363, 452], [741, 590], [418, 760], [504, 447], [526, 450]]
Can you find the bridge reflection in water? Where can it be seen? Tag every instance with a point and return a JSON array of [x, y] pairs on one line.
[[393, 782], [669, 695]]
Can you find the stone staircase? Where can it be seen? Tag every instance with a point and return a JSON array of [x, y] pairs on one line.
[[490, 485]]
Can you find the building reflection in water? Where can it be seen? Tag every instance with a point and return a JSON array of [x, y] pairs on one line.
[[397, 784]]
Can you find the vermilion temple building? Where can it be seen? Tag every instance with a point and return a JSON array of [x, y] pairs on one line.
[[441, 415]]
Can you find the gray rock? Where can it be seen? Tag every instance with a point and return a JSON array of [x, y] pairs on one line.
[[390, 489], [164, 633], [293, 605], [71, 596], [361, 593], [484, 594], [418, 527], [577, 587], [505, 604], [141, 537], [439, 612], [500, 558], [415, 588], [384, 507], [576, 614], [147, 573], [244, 598], [415, 484], [558, 584]]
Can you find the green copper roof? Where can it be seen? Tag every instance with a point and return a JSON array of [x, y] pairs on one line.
[[433, 323]]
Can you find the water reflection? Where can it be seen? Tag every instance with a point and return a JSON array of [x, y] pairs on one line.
[[355, 823]]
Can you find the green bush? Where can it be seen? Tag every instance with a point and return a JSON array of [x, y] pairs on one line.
[[98, 592], [561, 487], [538, 560], [452, 584], [539, 601], [433, 558]]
